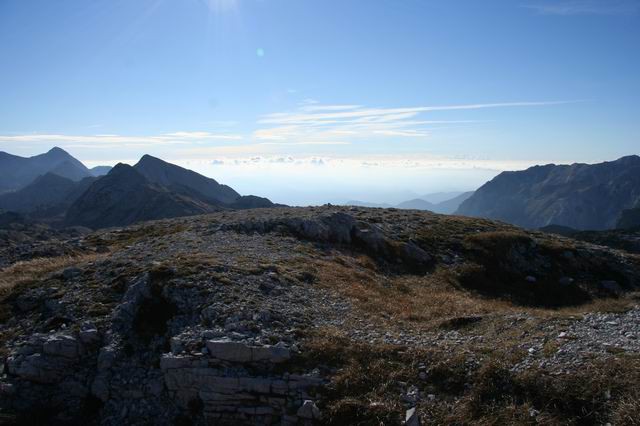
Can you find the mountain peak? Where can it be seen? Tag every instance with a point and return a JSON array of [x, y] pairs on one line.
[[146, 158], [17, 172], [57, 150], [122, 169], [178, 178]]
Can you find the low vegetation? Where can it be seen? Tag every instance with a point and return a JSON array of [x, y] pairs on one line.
[[373, 384]]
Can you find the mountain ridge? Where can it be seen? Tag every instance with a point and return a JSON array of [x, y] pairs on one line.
[[125, 196], [17, 172], [582, 196]]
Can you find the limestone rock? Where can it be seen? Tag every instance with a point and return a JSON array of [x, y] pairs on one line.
[[309, 410], [230, 351], [411, 417]]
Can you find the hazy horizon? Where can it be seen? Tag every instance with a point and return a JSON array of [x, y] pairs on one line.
[[316, 182]]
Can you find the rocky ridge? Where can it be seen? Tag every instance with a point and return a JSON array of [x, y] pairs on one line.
[[215, 318]]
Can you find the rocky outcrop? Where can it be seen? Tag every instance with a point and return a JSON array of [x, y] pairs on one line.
[[344, 229], [233, 381], [146, 361]]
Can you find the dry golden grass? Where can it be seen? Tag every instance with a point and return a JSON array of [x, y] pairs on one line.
[[627, 412], [432, 298], [369, 379], [35, 269]]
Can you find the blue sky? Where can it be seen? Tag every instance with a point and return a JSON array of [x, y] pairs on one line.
[[338, 98]]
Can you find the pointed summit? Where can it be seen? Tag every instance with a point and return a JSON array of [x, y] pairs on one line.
[[125, 196], [17, 172], [57, 150], [186, 181]]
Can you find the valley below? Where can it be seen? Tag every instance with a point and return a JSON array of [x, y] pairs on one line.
[[319, 315]]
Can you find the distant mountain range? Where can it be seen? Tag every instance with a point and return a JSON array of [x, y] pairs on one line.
[[58, 188], [17, 172], [49, 196], [62, 188], [100, 170], [580, 196], [441, 202]]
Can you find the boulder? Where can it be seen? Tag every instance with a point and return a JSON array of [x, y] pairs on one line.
[[229, 351], [309, 411], [411, 417], [63, 346], [89, 336]]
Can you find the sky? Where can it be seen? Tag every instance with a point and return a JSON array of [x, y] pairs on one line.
[[313, 101]]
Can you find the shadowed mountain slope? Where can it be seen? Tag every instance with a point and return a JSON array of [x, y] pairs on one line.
[[50, 194], [125, 196], [451, 205], [100, 170], [182, 180], [629, 219], [580, 196], [417, 204], [17, 172]]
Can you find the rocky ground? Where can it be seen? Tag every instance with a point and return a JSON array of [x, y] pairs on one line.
[[328, 315], [21, 239]]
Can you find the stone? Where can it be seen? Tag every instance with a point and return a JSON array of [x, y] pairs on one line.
[[414, 254], [64, 346], [209, 314], [106, 358], [372, 239], [340, 226], [124, 313], [226, 350], [309, 411], [39, 368], [89, 336], [411, 417], [272, 354], [168, 362], [229, 351]]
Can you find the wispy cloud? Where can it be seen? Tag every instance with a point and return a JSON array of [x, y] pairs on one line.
[[111, 140], [586, 7], [319, 122]]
